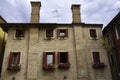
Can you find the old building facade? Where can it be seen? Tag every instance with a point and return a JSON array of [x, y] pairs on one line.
[[48, 51], [111, 35]]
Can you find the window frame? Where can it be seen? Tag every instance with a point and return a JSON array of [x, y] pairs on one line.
[[12, 66], [63, 65], [97, 64], [17, 35], [52, 34], [45, 65], [93, 33], [62, 37]]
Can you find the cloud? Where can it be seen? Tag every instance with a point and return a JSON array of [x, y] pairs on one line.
[[92, 11]]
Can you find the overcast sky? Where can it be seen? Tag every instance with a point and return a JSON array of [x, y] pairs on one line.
[[59, 11]]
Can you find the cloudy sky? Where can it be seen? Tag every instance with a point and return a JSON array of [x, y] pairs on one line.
[[59, 11]]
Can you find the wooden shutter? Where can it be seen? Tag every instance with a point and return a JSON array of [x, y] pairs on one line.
[[66, 34], [58, 32], [44, 59], [16, 33], [49, 32], [58, 57], [23, 32], [67, 58], [10, 59], [18, 60], [96, 57], [53, 57]]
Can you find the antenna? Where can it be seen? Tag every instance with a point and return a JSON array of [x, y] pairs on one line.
[[57, 15]]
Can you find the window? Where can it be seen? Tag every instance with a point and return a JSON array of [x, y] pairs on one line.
[[20, 33], [112, 58], [118, 31], [49, 33], [97, 64], [49, 60], [14, 61], [63, 60], [93, 33], [96, 57], [62, 33]]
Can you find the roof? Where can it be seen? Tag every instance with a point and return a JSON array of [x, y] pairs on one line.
[[111, 24], [5, 26], [3, 21]]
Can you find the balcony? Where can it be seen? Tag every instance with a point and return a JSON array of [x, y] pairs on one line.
[[98, 65], [64, 65]]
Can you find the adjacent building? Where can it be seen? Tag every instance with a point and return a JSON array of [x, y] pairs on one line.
[[2, 42], [111, 35], [51, 51]]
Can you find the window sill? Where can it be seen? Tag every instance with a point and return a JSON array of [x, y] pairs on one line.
[[49, 38], [99, 65], [91, 38], [18, 38], [49, 67], [62, 38], [14, 68]]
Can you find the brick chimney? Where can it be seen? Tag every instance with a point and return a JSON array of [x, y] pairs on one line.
[[35, 12], [76, 16]]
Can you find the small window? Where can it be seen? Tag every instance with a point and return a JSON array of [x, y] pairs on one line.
[[49, 33], [112, 58], [96, 57], [97, 64], [20, 33], [118, 31], [62, 32], [63, 60], [49, 60], [93, 33], [14, 61]]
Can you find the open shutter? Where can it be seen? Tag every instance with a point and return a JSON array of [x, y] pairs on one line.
[[16, 33], [58, 57], [51, 32], [44, 59], [58, 32], [67, 58], [18, 60], [53, 57], [66, 34], [10, 59], [96, 57], [23, 32], [94, 33]]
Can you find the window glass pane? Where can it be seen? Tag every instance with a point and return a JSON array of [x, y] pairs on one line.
[[49, 59], [15, 59], [62, 34]]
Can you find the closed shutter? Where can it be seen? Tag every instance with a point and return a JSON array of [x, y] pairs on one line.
[[16, 33], [18, 61], [53, 57], [66, 32], [67, 57], [58, 57], [58, 33], [96, 57], [10, 59], [44, 59]]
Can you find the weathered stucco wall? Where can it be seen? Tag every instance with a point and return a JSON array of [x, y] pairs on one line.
[[78, 44]]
